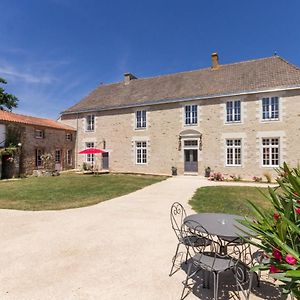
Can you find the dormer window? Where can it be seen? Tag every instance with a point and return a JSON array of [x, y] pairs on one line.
[[140, 119], [39, 134], [90, 123]]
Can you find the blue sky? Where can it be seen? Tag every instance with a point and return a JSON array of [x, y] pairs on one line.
[[54, 52]]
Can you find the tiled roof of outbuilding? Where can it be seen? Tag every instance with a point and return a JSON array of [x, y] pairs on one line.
[[16, 118], [248, 76]]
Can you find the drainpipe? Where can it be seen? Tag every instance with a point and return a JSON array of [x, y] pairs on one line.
[[77, 143]]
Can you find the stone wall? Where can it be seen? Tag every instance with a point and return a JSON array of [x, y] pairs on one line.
[[116, 130], [54, 139]]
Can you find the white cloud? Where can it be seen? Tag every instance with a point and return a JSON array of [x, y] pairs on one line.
[[17, 75]]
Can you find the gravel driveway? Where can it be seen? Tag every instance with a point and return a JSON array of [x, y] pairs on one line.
[[118, 249]]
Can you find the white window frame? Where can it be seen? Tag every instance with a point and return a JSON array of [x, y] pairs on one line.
[[69, 136], [234, 111], [141, 153], [90, 123], [190, 115], [270, 109], [270, 148], [235, 151], [69, 157], [57, 156], [38, 159], [39, 133], [141, 119], [90, 158]]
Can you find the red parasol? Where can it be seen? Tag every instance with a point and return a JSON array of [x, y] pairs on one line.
[[92, 151]]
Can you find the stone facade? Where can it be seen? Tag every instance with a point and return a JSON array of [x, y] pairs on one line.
[[167, 137], [43, 139]]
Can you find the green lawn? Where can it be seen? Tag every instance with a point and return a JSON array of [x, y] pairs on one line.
[[68, 191], [228, 199]]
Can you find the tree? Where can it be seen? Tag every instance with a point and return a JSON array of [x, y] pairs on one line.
[[7, 101]]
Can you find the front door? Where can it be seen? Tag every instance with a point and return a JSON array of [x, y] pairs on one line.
[[105, 162], [190, 160]]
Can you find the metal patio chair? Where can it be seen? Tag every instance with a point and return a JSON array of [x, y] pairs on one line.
[[177, 216], [211, 261]]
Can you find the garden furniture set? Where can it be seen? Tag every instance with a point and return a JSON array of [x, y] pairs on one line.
[[213, 243]]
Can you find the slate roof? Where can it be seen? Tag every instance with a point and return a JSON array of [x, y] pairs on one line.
[[16, 118], [248, 76]]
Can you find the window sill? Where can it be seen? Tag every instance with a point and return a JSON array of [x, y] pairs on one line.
[[191, 125], [270, 167], [230, 166], [269, 120], [233, 122], [140, 128]]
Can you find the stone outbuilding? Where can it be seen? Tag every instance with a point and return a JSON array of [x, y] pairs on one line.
[[25, 139]]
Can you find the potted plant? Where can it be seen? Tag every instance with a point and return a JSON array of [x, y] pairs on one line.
[[277, 231], [174, 171], [207, 171]]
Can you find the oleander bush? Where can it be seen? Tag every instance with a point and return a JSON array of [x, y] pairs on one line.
[[277, 231]]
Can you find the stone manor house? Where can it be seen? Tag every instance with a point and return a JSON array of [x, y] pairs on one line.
[[240, 118]]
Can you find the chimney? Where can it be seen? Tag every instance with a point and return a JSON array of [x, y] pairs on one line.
[[128, 77], [215, 61]]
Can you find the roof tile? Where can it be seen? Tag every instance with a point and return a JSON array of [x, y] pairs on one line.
[[260, 74], [12, 117]]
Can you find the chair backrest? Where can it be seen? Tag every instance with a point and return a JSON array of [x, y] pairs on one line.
[[198, 237], [203, 245], [177, 216]]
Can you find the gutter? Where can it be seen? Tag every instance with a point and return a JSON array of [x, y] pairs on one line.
[[179, 100]]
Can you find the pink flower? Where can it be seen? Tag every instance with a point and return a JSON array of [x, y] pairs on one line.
[[277, 254], [291, 260], [297, 210], [276, 216], [274, 269], [296, 194]]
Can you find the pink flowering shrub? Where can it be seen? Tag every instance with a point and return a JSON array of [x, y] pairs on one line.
[[277, 231], [216, 176], [257, 179]]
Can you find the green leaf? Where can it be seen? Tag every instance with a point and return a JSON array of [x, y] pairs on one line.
[[293, 273]]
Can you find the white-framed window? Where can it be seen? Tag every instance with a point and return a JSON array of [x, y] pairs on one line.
[[233, 152], [39, 133], [69, 157], [233, 111], [38, 157], [191, 143], [270, 152], [90, 123], [140, 119], [191, 115], [69, 136], [57, 156], [141, 152], [270, 108], [90, 158]]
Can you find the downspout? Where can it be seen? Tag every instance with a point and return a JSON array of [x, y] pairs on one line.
[[77, 143]]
